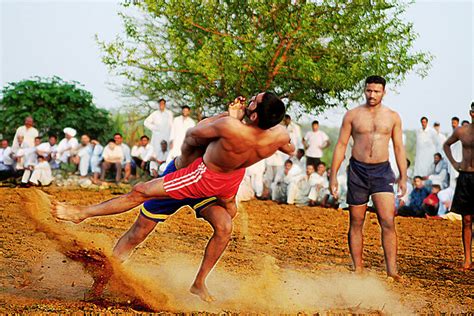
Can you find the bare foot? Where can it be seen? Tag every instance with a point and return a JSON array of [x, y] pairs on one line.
[[202, 292], [359, 270], [68, 213], [466, 267], [395, 278]]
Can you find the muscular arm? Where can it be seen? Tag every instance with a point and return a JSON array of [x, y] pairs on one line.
[[203, 134], [447, 148], [400, 156], [339, 151]]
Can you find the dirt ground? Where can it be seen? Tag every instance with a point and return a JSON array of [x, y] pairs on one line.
[[281, 259]]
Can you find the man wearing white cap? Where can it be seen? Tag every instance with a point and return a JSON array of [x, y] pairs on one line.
[[27, 131], [67, 144]]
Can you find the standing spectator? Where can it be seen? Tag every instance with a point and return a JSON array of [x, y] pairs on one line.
[[180, 125], [438, 171], [113, 157], [158, 162], [426, 145], [315, 141], [83, 156], [159, 122], [127, 156], [96, 159], [441, 136], [456, 150], [419, 193], [27, 131], [67, 145], [294, 130]]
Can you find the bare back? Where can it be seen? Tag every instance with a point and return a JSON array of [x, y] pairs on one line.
[[241, 145], [371, 129], [466, 135]]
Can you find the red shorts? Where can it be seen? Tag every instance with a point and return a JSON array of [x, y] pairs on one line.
[[198, 181]]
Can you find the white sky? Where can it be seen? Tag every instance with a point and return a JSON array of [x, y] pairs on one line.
[[47, 38]]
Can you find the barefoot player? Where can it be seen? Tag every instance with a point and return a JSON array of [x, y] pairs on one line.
[[463, 201], [371, 125], [231, 146]]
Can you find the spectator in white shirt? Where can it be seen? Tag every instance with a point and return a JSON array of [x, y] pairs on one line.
[[315, 141], [160, 123], [41, 174], [441, 137], [426, 145], [291, 173], [158, 162], [273, 165], [31, 160], [320, 190], [142, 154], [96, 159], [6, 160], [255, 173], [300, 159], [27, 131], [127, 156], [83, 155], [298, 191], [180, 125], [295, 132], [113, 157], [18, 152], [438, 173], [67, 145]]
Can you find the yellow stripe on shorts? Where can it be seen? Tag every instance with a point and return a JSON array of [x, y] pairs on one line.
[[151, 215], [204, 202]]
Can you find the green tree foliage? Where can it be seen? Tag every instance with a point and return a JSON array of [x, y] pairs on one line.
[[54, 104], [314, 54]]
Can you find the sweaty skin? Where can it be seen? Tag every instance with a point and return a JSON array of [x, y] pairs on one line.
[[371, 126], [465, 134]]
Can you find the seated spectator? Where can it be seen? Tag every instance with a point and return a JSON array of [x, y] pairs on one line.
[[41, 175], [431, 202], [445, 199], [404, 200], [273, 165], [320, 189], [298, 191], [68, 144], [113, 157], [31, 160], [49, 150], [284, 178], [127, 157], [96, 159], [6, 161], [419, 193], [18, 153], [142, 154], [438, 172], [300, 159], [82, 155], [255, 173], [158, 163]]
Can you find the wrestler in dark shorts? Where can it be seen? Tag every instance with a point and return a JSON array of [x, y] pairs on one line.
[[365, 179], [463, 201]]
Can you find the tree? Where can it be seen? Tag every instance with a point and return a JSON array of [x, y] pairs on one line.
[[313, 54], [54, 104]]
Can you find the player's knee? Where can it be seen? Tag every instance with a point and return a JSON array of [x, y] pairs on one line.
[[467, 220], [223, 228], [387, 223], [357, 222]]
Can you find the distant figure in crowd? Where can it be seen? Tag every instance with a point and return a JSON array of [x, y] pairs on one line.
[[430, 204], [180, 125], [142, 154], [456, 150], [96, 159], [83, 155], [27, 131], [438, 173], [418, 194], [463, 201], [113, 157], [426, 145], [67, 145], [160, 123], [441, 137], [318, 193], [6, 161], [371, 126], [315, 141], [294, 130], [465, 123], [158, 162], [127, 156]]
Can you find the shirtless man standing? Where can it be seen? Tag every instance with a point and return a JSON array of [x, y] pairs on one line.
[[230, 146], [371, 125], [463, 201]]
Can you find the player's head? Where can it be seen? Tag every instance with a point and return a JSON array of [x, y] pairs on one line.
[[265, 110], [374, 90]]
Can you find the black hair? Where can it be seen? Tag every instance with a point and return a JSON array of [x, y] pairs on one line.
[[315, 122], [464, 122], [436, 124], [376, 79], [437, 186], [301, 150], [438, 154], [288, 161], [144, 136], [424, 118], [408, 163], [118, 134], [54, 136], [185, 107], [288, 117], [417, 177], [270, 111], [321, 163], [38, 137], [455, 118], [111, 141], [159, 101]]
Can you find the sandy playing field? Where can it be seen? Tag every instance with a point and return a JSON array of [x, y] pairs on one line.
[[281, 259]]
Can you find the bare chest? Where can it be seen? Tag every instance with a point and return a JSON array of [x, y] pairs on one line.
[[372, 124]]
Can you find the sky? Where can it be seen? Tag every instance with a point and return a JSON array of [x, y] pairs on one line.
[[46, 38]]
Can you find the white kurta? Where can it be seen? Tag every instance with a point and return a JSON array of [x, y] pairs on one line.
[[295, 135], [42, 174], [456, 150], [65, 147], [160, 124], [28, 134], [441, 139], [426, 146], [391, 156], [178, 131]]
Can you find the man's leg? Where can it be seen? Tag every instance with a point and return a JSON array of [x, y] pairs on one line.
[[221, 222], [467, 240], [385, 206], [118, 171], [139, 194], [356, 239], [105, 166], [133, 237], [128, 171]]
